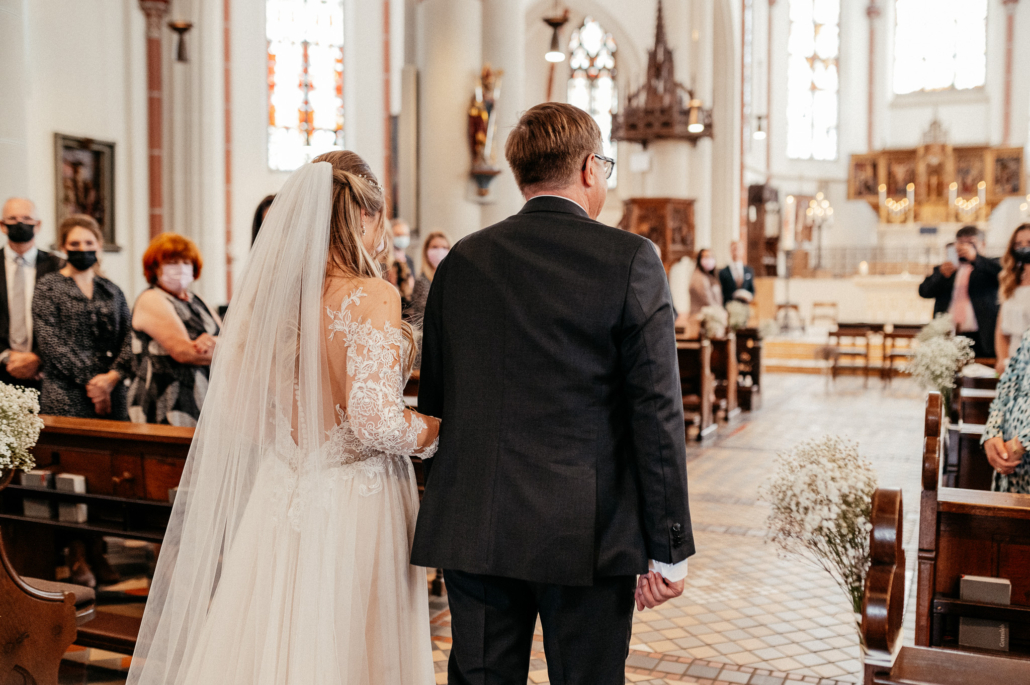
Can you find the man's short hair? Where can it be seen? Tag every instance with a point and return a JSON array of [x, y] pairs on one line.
[[969, 232], [547, 147]]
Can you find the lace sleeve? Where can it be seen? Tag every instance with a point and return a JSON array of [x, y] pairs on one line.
[[369, 322]]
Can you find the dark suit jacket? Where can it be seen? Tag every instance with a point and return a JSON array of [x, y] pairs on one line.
[[549, 352], [46, 263], [729, 284], [983, 293]]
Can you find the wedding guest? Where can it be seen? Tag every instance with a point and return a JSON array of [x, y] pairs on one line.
[[1007, 433], [259, 216], [21, 269], [401, 242], [968, 290], [737, 279], [82, 323], [1014, 291], [434, 248], [705, 290], [174, 336], [397, 273]]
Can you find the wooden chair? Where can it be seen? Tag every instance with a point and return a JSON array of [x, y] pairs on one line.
[[898, 347], [825, 311], [698, 385], [850, 345], [724, 369], [38, 622], [886, 661], [749, 366]]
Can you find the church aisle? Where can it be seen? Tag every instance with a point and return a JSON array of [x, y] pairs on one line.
[[748, 615]]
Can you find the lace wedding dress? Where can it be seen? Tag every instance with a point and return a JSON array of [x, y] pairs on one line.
[[287, 561]]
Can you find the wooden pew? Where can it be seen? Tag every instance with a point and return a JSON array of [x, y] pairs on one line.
[[968, 532], [749, 365], [698, 384], [38, 621], [886, 661], [972, 470], [724, 369]]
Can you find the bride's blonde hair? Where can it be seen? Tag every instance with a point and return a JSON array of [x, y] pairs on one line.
[[355, 188]]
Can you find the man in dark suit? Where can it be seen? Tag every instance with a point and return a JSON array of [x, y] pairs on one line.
[[737, 278], [550, 354], [22, 266], [967, 290]]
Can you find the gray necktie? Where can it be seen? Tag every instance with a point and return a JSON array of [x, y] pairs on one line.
[[16, 304]]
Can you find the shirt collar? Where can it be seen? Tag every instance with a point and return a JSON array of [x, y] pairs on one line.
[[562, 197], [30, 256]]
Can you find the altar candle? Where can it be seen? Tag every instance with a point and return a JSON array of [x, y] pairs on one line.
[[981, 192], [883, 195], [789, 224], [952, 193], [911, 195]]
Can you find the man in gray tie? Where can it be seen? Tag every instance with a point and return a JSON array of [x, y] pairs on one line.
[[23, 264]]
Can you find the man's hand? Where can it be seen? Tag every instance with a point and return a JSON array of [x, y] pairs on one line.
[[948, 269], [23, 365], [653, 590], [999, 456], [966, 251]]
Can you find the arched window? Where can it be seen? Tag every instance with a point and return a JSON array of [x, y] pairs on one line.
[[940, 44], [812, 79], [305, 80], [592, 84]]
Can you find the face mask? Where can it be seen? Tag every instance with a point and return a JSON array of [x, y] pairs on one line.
[[20, 232], [435, 255], [1022, 254], [82, 259], [708, 263], [176, 277], [401, 242]]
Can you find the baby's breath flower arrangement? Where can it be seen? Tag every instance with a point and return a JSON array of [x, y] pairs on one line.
[[821, 496], [936, 361], [713, 322], [942, 326], [19, 427], [738, 314]]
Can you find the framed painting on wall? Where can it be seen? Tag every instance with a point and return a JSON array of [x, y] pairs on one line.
[[864, 177], [901, 171], [970, 169], [1007, 172], [84, 177]]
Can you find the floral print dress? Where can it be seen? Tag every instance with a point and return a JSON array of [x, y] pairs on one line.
[[164, 390], [1010, 417]]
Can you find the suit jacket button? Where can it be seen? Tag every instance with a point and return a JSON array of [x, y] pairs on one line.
[[676, 528]]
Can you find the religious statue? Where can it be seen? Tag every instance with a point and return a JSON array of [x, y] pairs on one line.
[[481, 126]]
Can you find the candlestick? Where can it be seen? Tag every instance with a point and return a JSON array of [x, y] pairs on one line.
[[789, 224], [981, 194], [910, 194]]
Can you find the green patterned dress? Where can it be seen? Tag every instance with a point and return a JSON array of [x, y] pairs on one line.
[[1010, 417]]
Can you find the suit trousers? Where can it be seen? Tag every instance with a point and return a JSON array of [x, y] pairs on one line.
[[586, 629]]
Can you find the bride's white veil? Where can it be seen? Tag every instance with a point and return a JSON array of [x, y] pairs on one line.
[[266, 401]]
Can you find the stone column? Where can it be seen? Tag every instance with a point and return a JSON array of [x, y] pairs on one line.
[[873, 12], [449, 59], [1010, 31], [13, 134], [504, 47], [701, 68], [156, 11], [365, 88]]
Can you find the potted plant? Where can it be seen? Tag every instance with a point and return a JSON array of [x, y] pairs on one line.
[[19, 430]]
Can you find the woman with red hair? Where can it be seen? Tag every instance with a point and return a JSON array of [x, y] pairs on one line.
[[173, 336]]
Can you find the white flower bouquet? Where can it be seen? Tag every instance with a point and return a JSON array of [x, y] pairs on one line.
[[821, 496], [936, 361], [738, 313], [19, 427], [713, 322], [941, 327]]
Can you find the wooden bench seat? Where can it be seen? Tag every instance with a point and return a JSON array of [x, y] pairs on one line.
[[697, 384], [725, 373]]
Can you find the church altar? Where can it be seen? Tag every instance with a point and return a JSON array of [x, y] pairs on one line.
[[869, 299]]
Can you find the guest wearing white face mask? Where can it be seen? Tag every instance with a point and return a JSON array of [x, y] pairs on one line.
[[705, 290], [174, 334]]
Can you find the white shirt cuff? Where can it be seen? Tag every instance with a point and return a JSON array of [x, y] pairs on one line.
[[671, 572]]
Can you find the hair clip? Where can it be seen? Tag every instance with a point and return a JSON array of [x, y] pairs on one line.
[[372, 181]]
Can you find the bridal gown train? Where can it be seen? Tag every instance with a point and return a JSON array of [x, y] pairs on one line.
[[316, 588]]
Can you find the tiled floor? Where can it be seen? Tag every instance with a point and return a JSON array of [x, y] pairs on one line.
[[748, 615]]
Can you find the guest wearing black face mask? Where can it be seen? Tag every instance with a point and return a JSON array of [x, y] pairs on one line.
[[83, 325], [967, 288], [20, 269], [1014, 319]]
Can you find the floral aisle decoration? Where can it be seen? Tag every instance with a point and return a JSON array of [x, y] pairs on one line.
[[713, 322], [738, 313], [821, 497], [936, 361], [942, 326], [19, 428]]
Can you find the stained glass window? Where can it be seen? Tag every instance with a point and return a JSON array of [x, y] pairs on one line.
[[812, 81], [940, 44], [305, 80], [592, 84]]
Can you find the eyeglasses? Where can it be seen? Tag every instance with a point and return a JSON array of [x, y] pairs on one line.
[[609, 165]]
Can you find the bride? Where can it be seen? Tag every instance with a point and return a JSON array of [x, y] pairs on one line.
[[286, 556]]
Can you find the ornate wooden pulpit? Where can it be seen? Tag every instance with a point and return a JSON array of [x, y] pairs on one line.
[[667, 222]]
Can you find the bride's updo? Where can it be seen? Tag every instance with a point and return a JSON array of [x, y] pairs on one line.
[[355, 188]]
